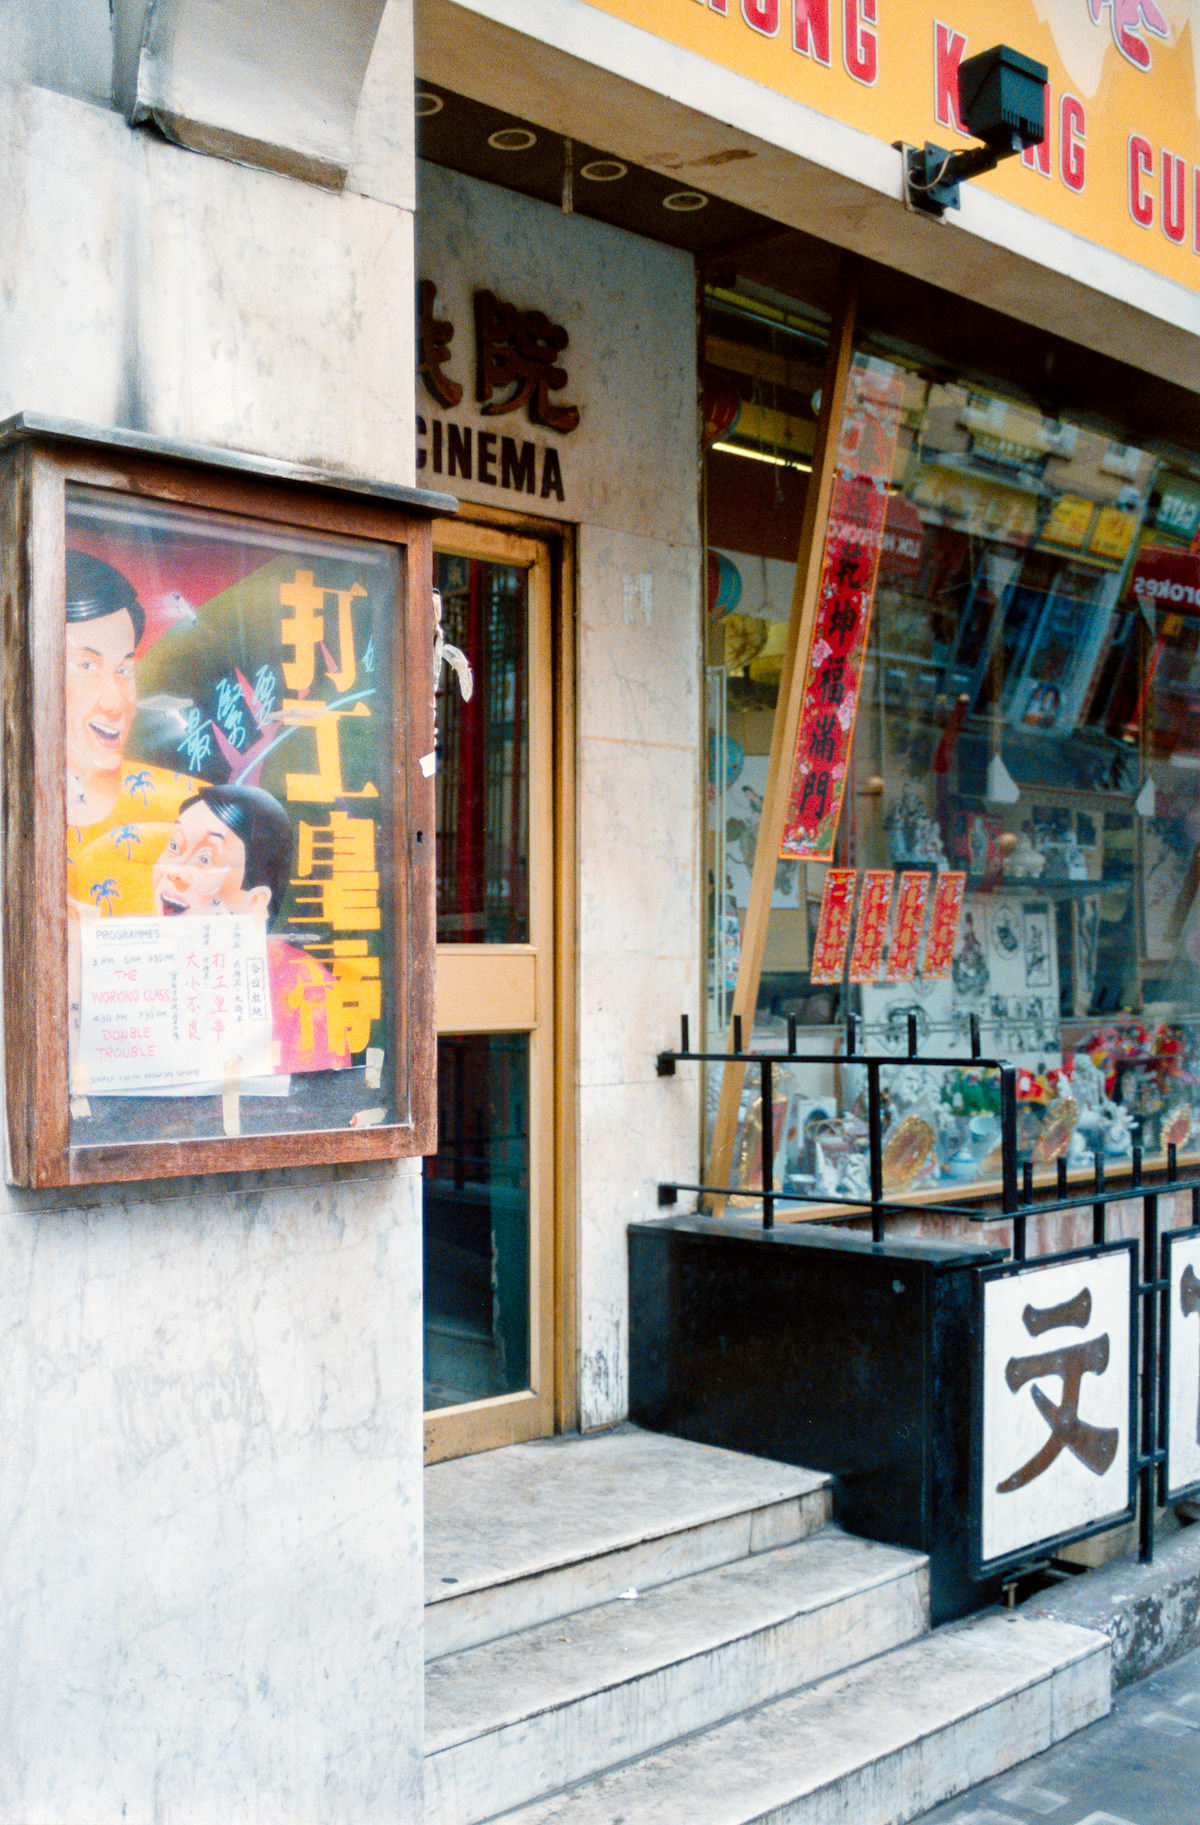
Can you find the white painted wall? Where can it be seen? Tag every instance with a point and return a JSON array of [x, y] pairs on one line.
[[210, 1560], [60, 44], [631, 487]]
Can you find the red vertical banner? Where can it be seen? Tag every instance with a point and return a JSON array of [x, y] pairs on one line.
[[910, 920], [943, 924], [873, 910], [853, 541], [833, 926]]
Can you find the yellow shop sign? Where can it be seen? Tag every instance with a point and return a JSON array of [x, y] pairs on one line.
[[1120, 165]]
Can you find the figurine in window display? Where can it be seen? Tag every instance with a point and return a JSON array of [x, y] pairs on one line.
[[118, 811], [913, 836], [231, 852], [1044, 707], [1025, 861], [1103, 1126], [970, 966]]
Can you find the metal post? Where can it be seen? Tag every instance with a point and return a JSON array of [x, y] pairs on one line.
[[768, 1143], [875, 1141], [1148, 1292]]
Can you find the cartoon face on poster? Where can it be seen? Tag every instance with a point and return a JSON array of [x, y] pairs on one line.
[[228, 800]]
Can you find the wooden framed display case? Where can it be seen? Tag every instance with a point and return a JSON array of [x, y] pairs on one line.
[[218, 762]]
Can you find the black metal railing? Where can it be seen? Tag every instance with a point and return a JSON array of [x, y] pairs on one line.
[[1018, 1200]]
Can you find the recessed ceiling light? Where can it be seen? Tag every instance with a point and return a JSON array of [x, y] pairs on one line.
[[512, 139], [604, 170], [428, 104], [684, 201]]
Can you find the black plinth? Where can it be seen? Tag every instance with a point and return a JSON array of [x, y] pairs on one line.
[[818, 1347]]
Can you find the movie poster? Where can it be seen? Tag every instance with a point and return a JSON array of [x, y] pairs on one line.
[[228, 798]]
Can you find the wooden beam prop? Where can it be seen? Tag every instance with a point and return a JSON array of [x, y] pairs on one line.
[[805, 596]]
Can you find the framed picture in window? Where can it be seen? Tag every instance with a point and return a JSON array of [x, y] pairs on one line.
[[218, 869]]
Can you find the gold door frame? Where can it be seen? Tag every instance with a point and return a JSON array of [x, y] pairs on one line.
[[531, 988]]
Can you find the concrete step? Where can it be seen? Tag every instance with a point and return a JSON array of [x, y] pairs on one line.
[[873, 1746], [520, 1536], [521, 1716]]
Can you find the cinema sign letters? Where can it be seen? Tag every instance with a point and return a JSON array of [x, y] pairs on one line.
[[218, 870], [518, 373]]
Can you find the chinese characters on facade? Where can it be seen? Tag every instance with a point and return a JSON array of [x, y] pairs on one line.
[[519, 369]]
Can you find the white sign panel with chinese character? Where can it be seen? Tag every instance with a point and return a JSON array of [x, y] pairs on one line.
[[173, 1003], [1055, 1452], [1183, 1375]]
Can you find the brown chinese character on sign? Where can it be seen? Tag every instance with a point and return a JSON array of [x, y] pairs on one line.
[[434, 336], [519, 349], [1094, 1446]]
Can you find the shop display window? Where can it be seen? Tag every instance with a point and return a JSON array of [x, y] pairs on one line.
[[999, 816]]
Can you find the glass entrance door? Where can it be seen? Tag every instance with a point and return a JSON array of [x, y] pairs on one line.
[[490, 1188]]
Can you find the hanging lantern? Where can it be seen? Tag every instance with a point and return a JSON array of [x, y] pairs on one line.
[[719, 406], [724, 585]]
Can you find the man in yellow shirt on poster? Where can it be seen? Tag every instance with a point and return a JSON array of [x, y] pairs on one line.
[[119, 812]]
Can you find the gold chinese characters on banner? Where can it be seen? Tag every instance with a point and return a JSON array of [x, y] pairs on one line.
[[878, 955]]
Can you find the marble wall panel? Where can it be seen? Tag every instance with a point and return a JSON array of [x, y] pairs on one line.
[[638, 809], [631, 1137], [629, 1008], [639, 638], [185, 296], [210, 1563], [638, 969]]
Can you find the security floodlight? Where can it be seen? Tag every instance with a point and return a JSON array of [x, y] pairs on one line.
[[1002, 99]]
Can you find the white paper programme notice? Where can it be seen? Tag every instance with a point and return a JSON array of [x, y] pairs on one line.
[[171, 1004]]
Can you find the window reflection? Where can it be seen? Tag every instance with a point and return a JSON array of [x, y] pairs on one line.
[[483, 771], [1026, 718], [476, 1222]]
